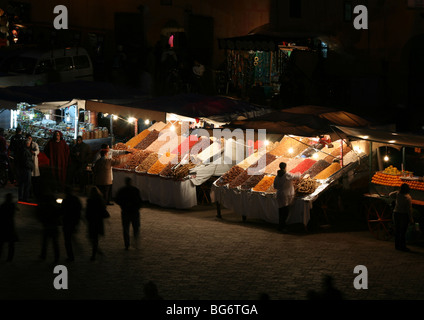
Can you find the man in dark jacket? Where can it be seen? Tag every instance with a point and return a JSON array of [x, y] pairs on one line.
[[24, 166], [129, 199], [17, 143], [80, 157]]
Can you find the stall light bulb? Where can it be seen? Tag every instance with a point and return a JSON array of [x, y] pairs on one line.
[[173, 128], [147, 121], [315, 155], [115, 117], [131, 120], [291, 150], [105, 114], [266, 142], [386, 158], [59, 200], [31, 116], [68, 118]]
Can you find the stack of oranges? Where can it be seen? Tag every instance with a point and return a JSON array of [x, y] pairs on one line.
[[395, 181]]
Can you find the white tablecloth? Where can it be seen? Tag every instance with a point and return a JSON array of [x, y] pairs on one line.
[[156, 190], [257, 206]]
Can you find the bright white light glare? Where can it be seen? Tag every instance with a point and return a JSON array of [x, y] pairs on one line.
[[291, 150], [386, 158], [31, 116], [47, 117], [365, 137], [315, 155], [115, 117], [131, 119], [59, 200], [357, 149], [68, 118], [105, 114], [392, 141], [172, 128], [266, 142], [147, 121]]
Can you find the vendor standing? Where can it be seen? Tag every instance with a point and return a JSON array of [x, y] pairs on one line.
[[283, 182], [57, 150], [402, 215], [80, 157]]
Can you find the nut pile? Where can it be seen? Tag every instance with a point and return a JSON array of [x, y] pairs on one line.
[[230, 175], [182, 171], [330, 170], [137, 139], [316, 168], [147, 163], [305, 185], [148, 140], [252, 181], [120, 146], [259, 166]]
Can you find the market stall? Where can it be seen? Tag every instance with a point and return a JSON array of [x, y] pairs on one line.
[[251, 194], [394, 159]]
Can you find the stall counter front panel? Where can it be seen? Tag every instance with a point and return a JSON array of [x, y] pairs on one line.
[[164, 192]]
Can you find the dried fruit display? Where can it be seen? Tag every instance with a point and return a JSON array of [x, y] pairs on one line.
[[158, 126], [182, 171], [145, 165], [352, 156], [200, 145], [303, 166], [324, 152], [254, 157], [167, 171], [148, 140], [120, 146], [335, 154], [259, 166], [292, 163], [274, 166], [327, 172], [164, 141], [291, 146], [132, 160], [306, 185], [239, 180], [252, 181], [229, 176], [174, 126], [186, 145], [161, 163], [133, 142], [209, 152], [265, 185], [316, 168]]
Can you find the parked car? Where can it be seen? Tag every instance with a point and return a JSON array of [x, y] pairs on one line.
[[36, 67]]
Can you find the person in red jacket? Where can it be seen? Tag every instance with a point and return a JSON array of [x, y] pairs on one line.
[[57, 150]]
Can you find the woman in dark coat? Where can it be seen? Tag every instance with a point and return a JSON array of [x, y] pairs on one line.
[[7, 225], [95, 212]]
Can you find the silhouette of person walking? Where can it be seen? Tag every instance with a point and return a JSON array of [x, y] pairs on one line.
[[94, 214], [151, 291], [329, 292], [8, 232], [129, 199], [49, 215], [71, 213]]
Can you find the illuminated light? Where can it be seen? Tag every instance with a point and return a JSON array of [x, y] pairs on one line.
[[28, 203], [47, 117], [68, 118], [115, 117], [31, 116], [386, 158], [266, 142], [291, 150], [131, 119], [59, 200], [392, 141], [365, 137], [105, 114], [172, 128], [357, 149], [147, 121], [315, 155]]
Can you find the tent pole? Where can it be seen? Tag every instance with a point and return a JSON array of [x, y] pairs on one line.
[[403, 158], [370, 164]]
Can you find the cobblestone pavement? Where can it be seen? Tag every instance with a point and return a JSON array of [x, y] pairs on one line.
[[192, 255]]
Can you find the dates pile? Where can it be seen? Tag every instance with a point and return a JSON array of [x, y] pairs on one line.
[[252, 181], [148, 140], [182, 171], [229, 176], [120, 146], [147, 163]]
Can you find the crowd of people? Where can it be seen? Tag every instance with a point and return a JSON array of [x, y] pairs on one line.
[[63, 174]]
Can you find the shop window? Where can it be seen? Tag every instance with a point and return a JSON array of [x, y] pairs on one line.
[[295, 9], [347, 11], [64, 64], [81, 62]]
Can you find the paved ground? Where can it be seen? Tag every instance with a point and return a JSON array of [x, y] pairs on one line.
[[192, 255]]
